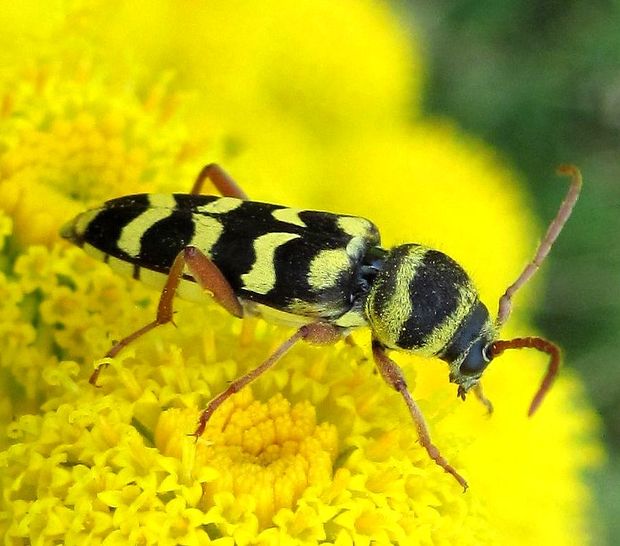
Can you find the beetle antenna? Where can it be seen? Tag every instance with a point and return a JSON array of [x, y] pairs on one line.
[[540, 344], [566, 208]]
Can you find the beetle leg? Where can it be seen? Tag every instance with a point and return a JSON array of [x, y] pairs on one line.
[[223, 182], [207, 275], [394, 377], [479, 393], [210, 278], [317, 333]]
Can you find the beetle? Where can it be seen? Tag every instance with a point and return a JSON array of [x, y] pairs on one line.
[[325, 273]]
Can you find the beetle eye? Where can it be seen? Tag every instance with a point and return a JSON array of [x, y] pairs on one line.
[[476, 360]]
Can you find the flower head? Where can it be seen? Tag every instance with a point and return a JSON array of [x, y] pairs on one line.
[[318, 450]]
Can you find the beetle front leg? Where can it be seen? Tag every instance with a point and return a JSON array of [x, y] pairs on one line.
[[207, 275], [394, 377], [320, 333], [222, 181], [477, 389]]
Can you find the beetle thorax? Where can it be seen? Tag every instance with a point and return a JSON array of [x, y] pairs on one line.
[[420, 300]]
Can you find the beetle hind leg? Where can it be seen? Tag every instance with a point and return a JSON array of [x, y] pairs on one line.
[[223, 182], [319, 333], [206, 274]]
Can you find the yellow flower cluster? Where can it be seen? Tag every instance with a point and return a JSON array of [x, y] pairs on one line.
[[306, 104]]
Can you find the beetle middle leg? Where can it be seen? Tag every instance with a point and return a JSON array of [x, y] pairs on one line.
[[209, 278], [393, 375], [320, 333]]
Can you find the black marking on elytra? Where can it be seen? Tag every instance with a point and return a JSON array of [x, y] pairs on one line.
[[292, 264], [191, 202], [324, 222], [234, 252], [258, 218], [104, 230], [136, 272], [161, 243], [435, 294]]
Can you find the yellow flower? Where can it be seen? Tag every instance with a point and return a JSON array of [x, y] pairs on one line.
[[319, 450], [343, 66], [74, 132]]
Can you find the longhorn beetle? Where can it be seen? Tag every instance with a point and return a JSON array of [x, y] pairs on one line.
[[326, 273]]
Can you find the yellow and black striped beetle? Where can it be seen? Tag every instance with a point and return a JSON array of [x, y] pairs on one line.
[[326, 273]]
